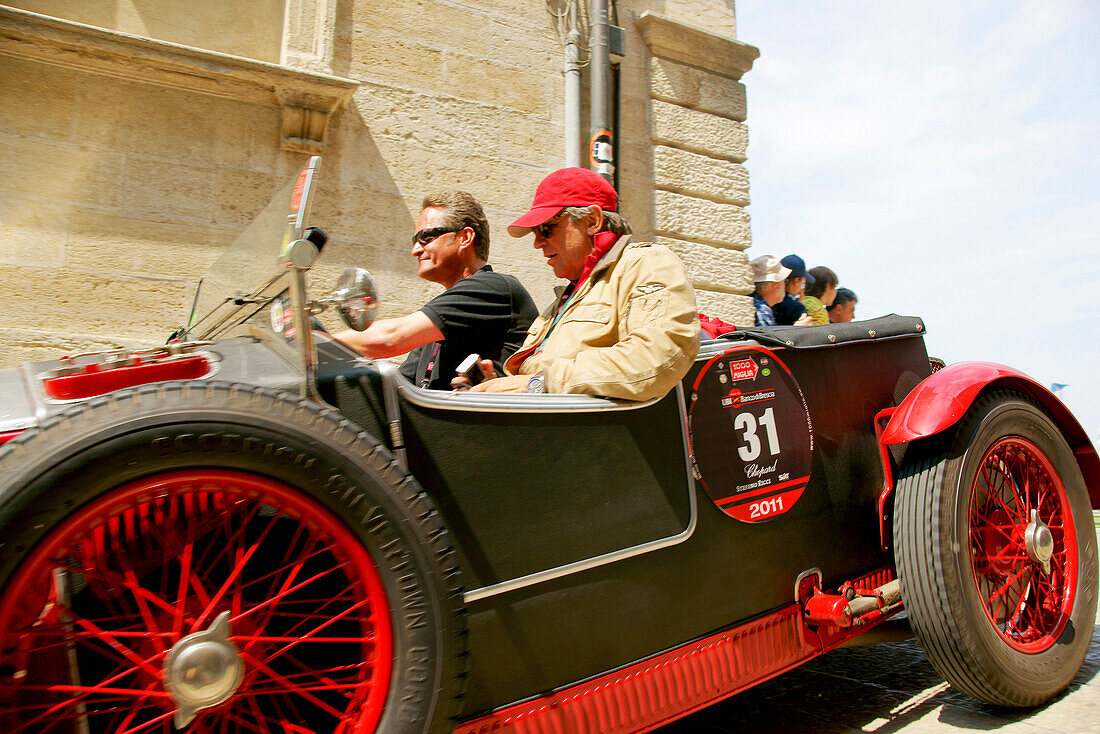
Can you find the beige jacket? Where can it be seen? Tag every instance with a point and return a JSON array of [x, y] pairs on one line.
[[631, 331]]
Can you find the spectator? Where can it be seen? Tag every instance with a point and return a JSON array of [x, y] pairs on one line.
[[480, 311], [843, 308], [769, 274], [626, 325], [819, 294], [790, 310]]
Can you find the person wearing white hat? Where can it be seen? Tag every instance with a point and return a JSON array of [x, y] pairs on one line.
[[769, 275]]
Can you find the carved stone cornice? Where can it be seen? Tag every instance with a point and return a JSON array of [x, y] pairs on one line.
[[307, 99], [686, 44]]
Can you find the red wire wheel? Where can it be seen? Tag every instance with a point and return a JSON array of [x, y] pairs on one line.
[[92, 613], [1028, 605], [995, 554]]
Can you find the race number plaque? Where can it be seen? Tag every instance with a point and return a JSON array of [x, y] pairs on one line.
[[750, 433]]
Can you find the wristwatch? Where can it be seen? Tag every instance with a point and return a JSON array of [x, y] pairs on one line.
[[537, 383]]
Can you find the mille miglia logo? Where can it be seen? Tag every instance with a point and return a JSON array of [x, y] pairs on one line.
[[754, 470]]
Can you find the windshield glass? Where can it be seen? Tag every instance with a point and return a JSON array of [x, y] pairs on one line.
[[248, 276]]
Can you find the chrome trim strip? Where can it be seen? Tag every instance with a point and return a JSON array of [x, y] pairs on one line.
[[307, 355], [391, 380], [613, 556], [712, 347], [509, 402]]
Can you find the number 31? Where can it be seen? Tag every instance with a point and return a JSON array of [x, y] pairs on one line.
[[747, 423]]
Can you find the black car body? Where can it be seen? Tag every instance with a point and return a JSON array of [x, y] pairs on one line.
[[527, 562]]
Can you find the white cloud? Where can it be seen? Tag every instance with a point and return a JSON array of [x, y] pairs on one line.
[[942, 158]]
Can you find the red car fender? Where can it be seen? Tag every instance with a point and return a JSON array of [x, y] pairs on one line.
[[943, 398]]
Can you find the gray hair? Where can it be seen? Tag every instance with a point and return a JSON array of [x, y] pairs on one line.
[[843, 295], [612, 221]]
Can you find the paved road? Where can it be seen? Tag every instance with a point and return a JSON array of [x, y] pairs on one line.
[[889, 688]]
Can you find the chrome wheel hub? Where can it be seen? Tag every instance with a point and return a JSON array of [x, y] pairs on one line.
[[202, 670], [1039, 542]]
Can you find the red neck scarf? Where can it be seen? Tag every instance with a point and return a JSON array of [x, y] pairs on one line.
[[601, 243]]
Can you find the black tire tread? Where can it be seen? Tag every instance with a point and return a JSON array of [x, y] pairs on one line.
[[28, 453], [932, 597]]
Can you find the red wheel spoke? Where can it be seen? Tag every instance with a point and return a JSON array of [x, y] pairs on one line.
[[130, 717], [62, 637], [263, 666], [114, 579], [1002, 556], [234, 525], [292, 569], [95, 690], [282, 596], [1029, 608], [1007, 585], [291, 565], [309, 635], [312, 672], [356, 670], [351, 686], [277, 703], [1008, 552], [156, 559], [319, 613], [261, 723], [140, 594], [104, 636], [241, 559], [184, 584], [296, 639], [996, 496], [1023, 500], [145, 726]]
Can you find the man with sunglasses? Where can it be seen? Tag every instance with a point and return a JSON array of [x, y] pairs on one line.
[[480, 312], [626, 325]]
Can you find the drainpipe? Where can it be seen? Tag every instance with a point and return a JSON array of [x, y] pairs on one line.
[[600, 154], [573, 91]]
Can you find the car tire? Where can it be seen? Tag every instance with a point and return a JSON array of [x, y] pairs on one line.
[[994, 620], [332, 570]]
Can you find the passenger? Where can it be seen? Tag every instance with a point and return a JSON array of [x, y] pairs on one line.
[[480, 312], [843, 309], [769, 275], [626, 325], [790, 310], [819, 294]]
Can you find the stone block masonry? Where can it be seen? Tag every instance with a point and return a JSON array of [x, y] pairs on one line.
[[132, 155], [699, 141]]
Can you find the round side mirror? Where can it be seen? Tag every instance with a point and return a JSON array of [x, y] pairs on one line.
[[355, 298]]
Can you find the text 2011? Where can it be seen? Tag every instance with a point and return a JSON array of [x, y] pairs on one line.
[[765, 507]]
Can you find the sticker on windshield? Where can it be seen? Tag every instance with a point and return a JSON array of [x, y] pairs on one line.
[[282, 317], [750, 434]]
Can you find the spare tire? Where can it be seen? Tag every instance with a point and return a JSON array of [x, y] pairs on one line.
[[225, 557], [996, 553]]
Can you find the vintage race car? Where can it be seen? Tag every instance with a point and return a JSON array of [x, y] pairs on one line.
[[251, 529]]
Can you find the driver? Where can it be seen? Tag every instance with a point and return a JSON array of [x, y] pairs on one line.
[[625, 325], [480, 312]]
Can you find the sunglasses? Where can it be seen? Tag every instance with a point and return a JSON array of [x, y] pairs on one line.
[[545, 229], [425, 236]]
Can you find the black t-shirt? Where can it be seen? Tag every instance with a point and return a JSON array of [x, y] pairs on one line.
[[487, 313]]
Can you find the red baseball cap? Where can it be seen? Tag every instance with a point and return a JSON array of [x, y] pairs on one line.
[[567, 187]]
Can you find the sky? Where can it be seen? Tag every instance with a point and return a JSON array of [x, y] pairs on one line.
[[943, 158]]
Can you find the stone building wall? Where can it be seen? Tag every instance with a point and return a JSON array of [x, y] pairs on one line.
[[135, 152]]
